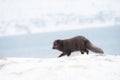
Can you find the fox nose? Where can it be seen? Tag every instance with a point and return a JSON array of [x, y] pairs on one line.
[[53, 47]]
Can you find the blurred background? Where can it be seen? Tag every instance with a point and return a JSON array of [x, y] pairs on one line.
[[29, 27]]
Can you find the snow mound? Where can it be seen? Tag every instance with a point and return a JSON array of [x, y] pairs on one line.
[[84, 67]]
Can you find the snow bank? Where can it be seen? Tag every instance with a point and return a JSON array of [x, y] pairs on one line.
[[84, 67]]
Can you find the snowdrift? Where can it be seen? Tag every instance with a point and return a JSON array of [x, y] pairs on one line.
[[81, 67]]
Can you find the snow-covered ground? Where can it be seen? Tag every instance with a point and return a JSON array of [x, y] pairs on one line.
[[75, 67]]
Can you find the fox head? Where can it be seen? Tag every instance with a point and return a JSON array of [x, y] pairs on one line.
[[58, 44]]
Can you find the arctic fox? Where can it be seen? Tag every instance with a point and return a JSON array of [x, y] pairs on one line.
[[78, 43]]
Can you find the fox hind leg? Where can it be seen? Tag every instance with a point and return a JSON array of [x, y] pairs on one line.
[[68, 54], [87, 51]]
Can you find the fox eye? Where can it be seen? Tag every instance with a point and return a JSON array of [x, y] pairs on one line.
[[55, 44]]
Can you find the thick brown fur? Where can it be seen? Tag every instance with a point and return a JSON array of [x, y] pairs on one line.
[[78, 43]]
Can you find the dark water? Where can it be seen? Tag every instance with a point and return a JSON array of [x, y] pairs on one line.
[[40, 45]]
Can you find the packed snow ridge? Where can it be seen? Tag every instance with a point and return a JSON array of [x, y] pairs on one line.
[[81, 67]]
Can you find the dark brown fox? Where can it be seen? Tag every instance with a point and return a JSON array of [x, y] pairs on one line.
[[78, 43]]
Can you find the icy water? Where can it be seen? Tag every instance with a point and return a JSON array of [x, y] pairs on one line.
[[40, 45]]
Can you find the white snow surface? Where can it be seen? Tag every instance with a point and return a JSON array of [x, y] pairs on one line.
[[80, 67]]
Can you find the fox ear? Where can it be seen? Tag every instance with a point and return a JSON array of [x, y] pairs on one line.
[[58, 41]]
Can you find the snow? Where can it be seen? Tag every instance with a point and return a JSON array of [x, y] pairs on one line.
[[75, 67], [36, 16], [52, 19]]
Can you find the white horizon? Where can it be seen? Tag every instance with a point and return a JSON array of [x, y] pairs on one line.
[[32, 16]]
